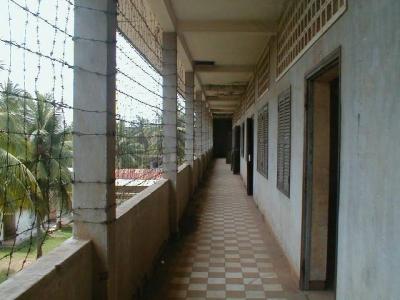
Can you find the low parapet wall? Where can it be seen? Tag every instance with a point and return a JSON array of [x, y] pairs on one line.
[[142, 228], [65, 273]]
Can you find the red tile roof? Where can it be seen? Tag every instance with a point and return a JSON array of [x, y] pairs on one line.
[[138, 174]]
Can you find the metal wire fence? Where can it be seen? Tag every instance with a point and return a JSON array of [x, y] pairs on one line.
[[36, 119], [36, 57], [181, 127], [139, 124]]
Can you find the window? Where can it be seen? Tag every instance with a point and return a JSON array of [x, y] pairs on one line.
[[262, 141], [284, 141]]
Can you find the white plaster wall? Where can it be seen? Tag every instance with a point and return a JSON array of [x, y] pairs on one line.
[[369, 213]]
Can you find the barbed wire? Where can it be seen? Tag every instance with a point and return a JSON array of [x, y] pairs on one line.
[[36, 117]]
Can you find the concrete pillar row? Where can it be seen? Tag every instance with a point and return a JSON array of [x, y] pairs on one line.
[[94, 114], [170, 147], [189, 116]]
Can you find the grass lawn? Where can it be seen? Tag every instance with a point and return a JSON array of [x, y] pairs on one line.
[[52, 241]]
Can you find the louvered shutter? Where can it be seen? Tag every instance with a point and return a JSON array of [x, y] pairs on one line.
[[265, 140], [262, 141], [259, 142], [284, 142]]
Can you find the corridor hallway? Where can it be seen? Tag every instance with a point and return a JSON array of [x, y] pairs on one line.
[[226, 250]]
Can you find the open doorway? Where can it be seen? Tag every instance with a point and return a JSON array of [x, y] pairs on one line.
[[321, 177], [222, 137], [250, 154], [236, 151]]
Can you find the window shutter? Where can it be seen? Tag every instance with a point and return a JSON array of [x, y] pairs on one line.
[[262, 142], [259, 142], [284, 142], [265, 140]]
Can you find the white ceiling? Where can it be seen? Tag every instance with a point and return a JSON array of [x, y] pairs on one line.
[[243, 10], [226, 32]]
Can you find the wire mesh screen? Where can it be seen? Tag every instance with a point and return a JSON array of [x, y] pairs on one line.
[[139, 143], [139, 122], [36, 68], [181, 124], [137, 22]]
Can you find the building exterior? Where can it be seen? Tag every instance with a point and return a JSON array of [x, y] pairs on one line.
[[304, 95]]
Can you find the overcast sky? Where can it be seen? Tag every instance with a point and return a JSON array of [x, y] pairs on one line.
[[22, 29]]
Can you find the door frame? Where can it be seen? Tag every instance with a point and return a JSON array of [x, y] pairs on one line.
[[332, 60], [236, 150], [249, 154]]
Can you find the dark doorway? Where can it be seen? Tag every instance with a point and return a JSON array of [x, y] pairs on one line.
[[236, 151], [222, 129], [321, 180], [250, 154]]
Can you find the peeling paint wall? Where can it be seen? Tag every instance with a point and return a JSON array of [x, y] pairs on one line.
[[369, 213]]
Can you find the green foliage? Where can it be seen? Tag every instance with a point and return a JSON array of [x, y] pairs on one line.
[[35, 152]]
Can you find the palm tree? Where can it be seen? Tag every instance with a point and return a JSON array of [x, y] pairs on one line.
[[35, 153], [51, 156], [128, 148], [19, 189]]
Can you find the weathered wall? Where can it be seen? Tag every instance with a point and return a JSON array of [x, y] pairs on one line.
[[195, 174], [184, 184], [63, 274], [142, 228], [369, 214]]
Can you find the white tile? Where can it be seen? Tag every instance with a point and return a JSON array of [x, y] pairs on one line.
[[235, 287], [272, 287], [234, 275], [216, 294], [255, 294], [199, 274], [216, 280]]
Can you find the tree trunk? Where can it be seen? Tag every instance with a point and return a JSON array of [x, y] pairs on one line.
[[39, 242]]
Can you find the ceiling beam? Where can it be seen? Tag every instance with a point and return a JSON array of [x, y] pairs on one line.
[[269, 28], [225, 68], [224, 98], [168, 21], [224, 105], [225, 111], [224, 101], [225, 87]]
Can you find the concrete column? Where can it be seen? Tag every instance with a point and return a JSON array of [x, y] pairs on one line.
[[94, 140], [198, 111], [189, 111], [170, 122]]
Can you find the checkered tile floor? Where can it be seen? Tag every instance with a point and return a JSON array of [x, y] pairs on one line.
[[228, 256]]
